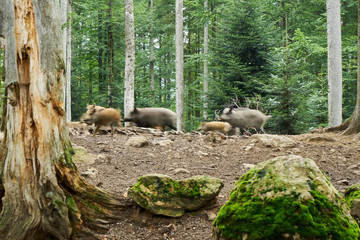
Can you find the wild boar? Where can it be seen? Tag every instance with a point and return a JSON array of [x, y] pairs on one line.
[[102, 116], [222, 127], [152, 118], [244, 119]]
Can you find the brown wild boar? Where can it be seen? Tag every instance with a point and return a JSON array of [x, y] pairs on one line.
[[222, 127], [152, 118], [244, 119], [102, 116]]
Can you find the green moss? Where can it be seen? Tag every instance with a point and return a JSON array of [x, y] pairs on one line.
[[56, 201], [351, 194], [68, 157], [94, 207], [266, 218], [168, 189]]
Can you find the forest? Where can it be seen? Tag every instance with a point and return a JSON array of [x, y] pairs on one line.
[[195, 58], [268, 55]]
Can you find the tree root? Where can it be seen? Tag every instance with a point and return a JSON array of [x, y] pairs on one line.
[[89, 207]]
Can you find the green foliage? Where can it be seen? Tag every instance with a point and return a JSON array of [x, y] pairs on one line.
[[239, 53]]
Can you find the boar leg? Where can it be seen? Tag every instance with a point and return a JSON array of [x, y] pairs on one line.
[[112, 129], [96, 129], [261, 130], [172, 127]]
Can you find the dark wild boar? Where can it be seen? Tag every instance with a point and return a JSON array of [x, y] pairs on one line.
[[244, 119], [102, 116], [152, 118], [222, 127]]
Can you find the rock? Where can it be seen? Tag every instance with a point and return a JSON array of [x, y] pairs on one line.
[[181, 170], [352, 198], [355, 208], [137, 141], [214, 137], [322, 139], [163, 142], [211, 216], [82, 155], [91, 172], [274, 141], [287, 197], [247, 166], [160, 194]]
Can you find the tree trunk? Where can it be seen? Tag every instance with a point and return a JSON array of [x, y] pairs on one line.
[[101, 79], [110, 53], [68, 66], [334, 62], [43, 195], [179, 46], [206, 71], [352, 124], [151, 48], [129, 58]]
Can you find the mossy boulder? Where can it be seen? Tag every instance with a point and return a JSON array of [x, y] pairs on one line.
[[352, 198], [160, 194], [286, 197]]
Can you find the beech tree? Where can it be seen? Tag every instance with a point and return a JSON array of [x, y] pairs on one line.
[[43, 195], [352, 124], [334, 62], [206, 71], [179, 46], [130, 58]]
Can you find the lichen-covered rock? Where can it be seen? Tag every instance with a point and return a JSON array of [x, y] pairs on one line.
[[160, 194], [286, 197]]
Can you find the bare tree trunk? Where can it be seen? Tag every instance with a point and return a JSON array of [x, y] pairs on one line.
[[43, 196], [68, 66], [101, 78], [352, 124], [63, 9], [130, 58], [179, 45], [110, 54], [334, 62], [151, 47], [206, 71]]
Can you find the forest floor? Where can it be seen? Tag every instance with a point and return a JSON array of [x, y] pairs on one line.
[[115, 167]]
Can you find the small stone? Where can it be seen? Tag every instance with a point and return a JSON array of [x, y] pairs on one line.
[[211, 216], [181, 170], [137, 141]]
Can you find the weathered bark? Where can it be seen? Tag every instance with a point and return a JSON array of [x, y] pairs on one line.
[[130, 58], [68, 66], [43, 196], [179, 46], [334, 62]]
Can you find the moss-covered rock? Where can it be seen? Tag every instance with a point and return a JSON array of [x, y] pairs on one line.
[[352, 198], [160, 194], [285, 198]]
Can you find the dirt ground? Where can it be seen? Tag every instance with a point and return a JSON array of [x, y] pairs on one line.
[[116, 168]]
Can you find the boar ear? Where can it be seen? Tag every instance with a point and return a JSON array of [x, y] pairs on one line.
[[231, 108], [135, 109]]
